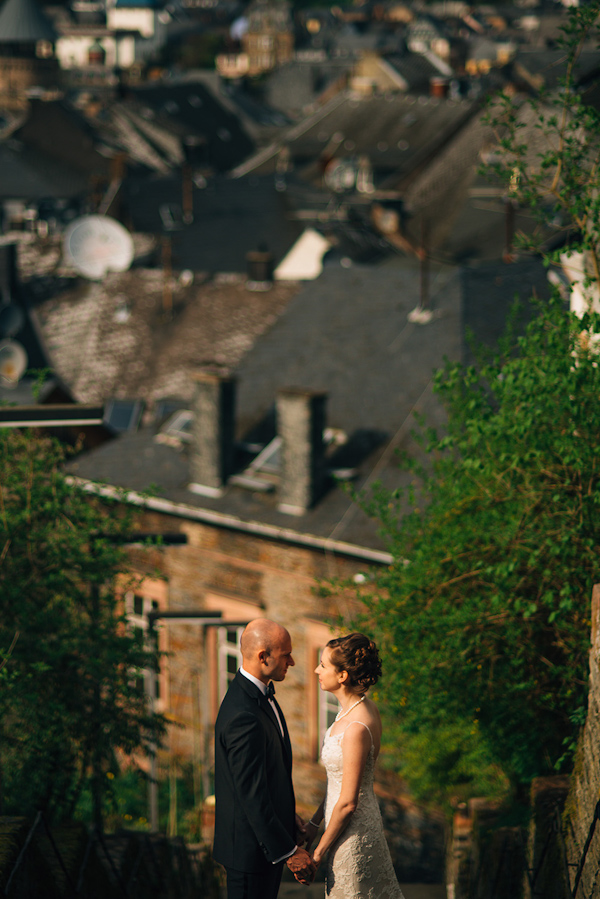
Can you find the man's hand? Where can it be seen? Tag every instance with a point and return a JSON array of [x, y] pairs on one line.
[[302, 866]]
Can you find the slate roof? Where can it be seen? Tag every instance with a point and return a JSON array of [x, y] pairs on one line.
[[545, 68], [414, 68], [23, 21], [113, 338], [231, 219], [77, 150], [346, 333], [199, 113], [143, 4], [461, 211], [27, 175], [296, 85], [398, 132]]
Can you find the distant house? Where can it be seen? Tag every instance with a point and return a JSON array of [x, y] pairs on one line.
[[36, 168], [269, 39], [27, 60], [407, 72]]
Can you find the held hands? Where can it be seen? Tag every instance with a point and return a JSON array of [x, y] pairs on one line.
[[302, 866]]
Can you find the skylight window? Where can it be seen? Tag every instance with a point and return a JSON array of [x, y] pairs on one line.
[[262, 473], [177, 430], [123, 415]]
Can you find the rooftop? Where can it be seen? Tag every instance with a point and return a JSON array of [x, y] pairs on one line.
[[23, 21], [348, 334]]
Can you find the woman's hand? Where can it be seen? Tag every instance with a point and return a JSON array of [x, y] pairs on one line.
[[311, 832]]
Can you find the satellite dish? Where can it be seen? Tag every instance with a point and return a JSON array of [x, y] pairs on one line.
[[13, 363], [97, 244]]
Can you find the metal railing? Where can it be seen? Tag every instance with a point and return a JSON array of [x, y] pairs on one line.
[[554, 833], [132, 864]]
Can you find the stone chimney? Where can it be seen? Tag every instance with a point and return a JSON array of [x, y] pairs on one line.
[[8, 270], [300, 424], [211, 460]]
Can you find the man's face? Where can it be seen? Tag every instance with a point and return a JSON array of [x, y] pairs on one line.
[[280, 658]]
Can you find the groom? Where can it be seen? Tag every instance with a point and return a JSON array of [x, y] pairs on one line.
[[256, 828]]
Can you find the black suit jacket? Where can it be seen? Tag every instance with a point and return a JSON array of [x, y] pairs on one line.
[[255, 806]]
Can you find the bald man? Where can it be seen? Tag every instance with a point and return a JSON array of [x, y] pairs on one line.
[[256, 828]]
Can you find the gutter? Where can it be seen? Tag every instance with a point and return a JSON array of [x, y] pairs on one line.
[[232, 522]]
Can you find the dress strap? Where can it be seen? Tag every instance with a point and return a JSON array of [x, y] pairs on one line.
[[364, 725]]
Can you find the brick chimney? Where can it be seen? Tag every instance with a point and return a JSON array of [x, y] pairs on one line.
[[211, 460], [300, 424]]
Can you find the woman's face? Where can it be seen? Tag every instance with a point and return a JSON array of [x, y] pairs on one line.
[[328, 674]]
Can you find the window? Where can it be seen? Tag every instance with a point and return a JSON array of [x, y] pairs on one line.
[[229, 656], [123, 415], [177, 429], [261, 474], [137, 609]]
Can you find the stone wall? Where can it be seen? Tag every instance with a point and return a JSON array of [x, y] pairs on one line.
[[579, 819]]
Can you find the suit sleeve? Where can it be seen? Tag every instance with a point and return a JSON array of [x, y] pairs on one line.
[[245, 744]]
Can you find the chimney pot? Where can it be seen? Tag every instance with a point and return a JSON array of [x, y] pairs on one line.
[[259, 268]]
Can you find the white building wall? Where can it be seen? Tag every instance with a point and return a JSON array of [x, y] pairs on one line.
[[72, 50], [140, 20]]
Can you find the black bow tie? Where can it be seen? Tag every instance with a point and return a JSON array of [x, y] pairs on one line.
[[270, 690]]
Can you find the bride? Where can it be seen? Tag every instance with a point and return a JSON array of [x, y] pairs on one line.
[[359, 865]]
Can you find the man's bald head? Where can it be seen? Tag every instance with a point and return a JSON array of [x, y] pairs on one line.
[[266, 650]]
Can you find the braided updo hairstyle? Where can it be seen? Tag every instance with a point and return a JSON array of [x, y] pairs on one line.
[[357, 655]]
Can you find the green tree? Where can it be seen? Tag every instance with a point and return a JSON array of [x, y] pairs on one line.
[[548, 154], [484, 615], [70, 695]]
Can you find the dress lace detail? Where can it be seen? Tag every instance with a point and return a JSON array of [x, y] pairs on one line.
[[359, 865]]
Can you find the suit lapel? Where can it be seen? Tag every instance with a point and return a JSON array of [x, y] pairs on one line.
[[286, 737], [264, 704]]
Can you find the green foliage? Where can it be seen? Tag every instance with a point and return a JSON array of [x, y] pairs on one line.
[[69, 699], [483, 618], [126, 803], [549, 152]]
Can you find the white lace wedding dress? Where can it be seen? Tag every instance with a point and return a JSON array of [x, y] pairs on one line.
[[359, 864]]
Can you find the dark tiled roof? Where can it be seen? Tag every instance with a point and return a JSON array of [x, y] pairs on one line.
[[348, 334], [398, 132], [546, 67], [231, 218], [27, 175], [75, 151], [296, 85], [198, 111], [415, 68], [142, 352], [23, 21]]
